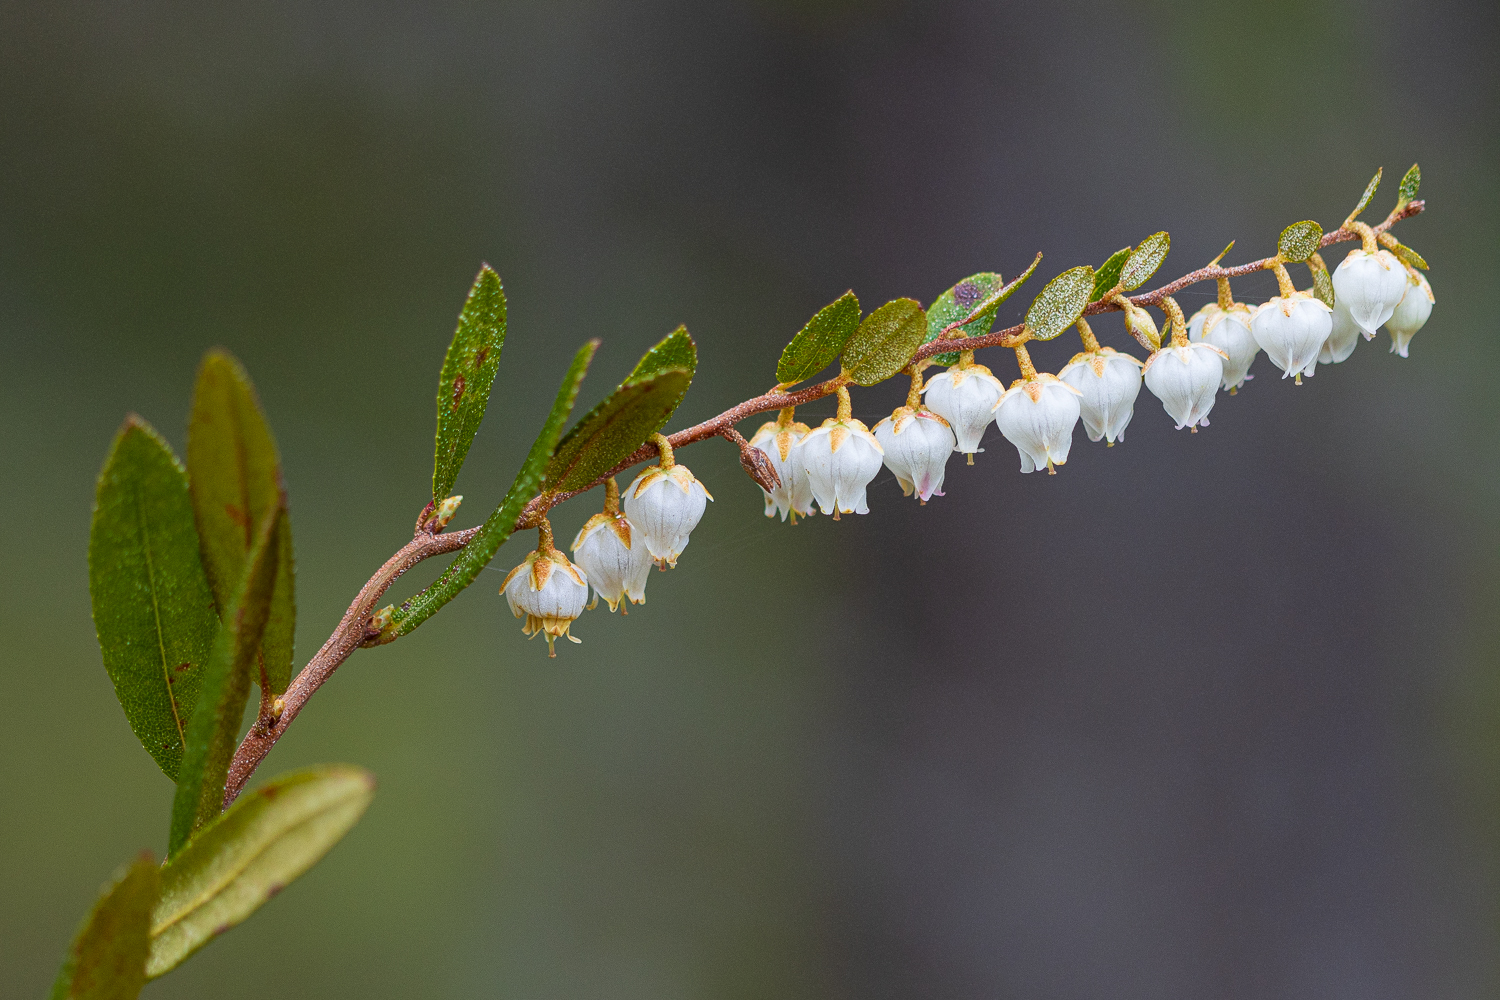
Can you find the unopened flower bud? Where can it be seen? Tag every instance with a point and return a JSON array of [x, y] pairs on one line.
[[1229, 331], [916, 443], [1139, 324], [966, 398], [839, 459], [1371, 284], [614, 559], [1342, 336], [1186, 380], [445, 512], [1038, 415], [1291, 330], [1107, 383], [793, 496], [549, 592], [1411, 314], [664, 506]]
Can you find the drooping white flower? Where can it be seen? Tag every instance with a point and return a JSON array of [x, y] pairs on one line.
[[1291, 330], [917, 443], [1342, 336], [1229, 331], [1107, 383], [614, 558], [1371, 284], [549, 592], [966, 398], [1186, 379], [839, 459], [1411, 314], [1038, 415], [794, 495], [664, 506]]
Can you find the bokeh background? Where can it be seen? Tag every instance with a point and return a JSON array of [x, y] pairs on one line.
[[1204, 715]]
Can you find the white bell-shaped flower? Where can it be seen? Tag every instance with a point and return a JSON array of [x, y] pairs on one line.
[[1411, 314], [664, 505], [917, 443], [1371, 284], [966, 398], [549, 592], [1108, 383], [1291, 330], [794, 495], [1342, 336], [1038, 415], [1186, 379], [839, 459], [614, 558], [1229, 331]]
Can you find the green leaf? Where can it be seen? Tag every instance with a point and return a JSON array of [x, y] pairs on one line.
[[1107, 275], [153, 610], [234, 472], [1409, 185], [817, 345], [1364, 199], [1144, 260], [1300, 240], [250, 853], [676, 351], [609, 432], [885, 342], [107, 960], [467, 375], [1409, 256], [958, 303], [1222, 253], [499, 525], [215, 725], [1061, 303], [1322, 283]]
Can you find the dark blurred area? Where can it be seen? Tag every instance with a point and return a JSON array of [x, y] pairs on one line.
[[1208, 715]]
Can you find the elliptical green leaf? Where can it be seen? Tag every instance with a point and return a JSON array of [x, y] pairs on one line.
[[817, 345], [467, 375], [1144, 260], [1300, 240], [885, 342], [1061, 303]]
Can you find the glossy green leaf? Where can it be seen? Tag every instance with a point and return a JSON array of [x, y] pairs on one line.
[[958, 303], [1107, 275], [1409, 255], [1061, 303], [234, 472], [885, 342], [1322, 283], [1144, 260], [215, 725], [1364, 199], [1300, 240], [817, 345], [248, 854], [1409, 186], [153, 610], [609, 432], [107, 960], [675, 352], [468, 373], [498, 526]]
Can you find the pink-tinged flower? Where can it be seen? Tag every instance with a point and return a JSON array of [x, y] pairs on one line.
[[917, 443], [1107, 383], [966, 398], [1186, 379]]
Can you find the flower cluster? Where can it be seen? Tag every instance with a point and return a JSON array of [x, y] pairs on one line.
[[803, 471]]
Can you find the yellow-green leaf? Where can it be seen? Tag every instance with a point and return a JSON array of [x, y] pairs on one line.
[[107, 960], [467, 375], [1107, 275], [960, 303], [1322, 283], [1144, 260], [249, 853], [1364, 199], [502, 521], [1300, 240], [234, 472], [885, 342], [817, 345], [212, 731], [1061, 303], [1408, 255], [153, 611], [1409, 186]]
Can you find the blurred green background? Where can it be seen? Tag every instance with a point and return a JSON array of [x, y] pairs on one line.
[[1208, 715]]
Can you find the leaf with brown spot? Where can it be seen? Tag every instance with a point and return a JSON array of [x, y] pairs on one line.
[[466, 378], [107, 960]]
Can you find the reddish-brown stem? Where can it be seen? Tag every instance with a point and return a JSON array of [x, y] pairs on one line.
[[352, 629]]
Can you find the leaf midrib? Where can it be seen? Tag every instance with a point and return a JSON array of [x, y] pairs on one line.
[[161, 643]]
